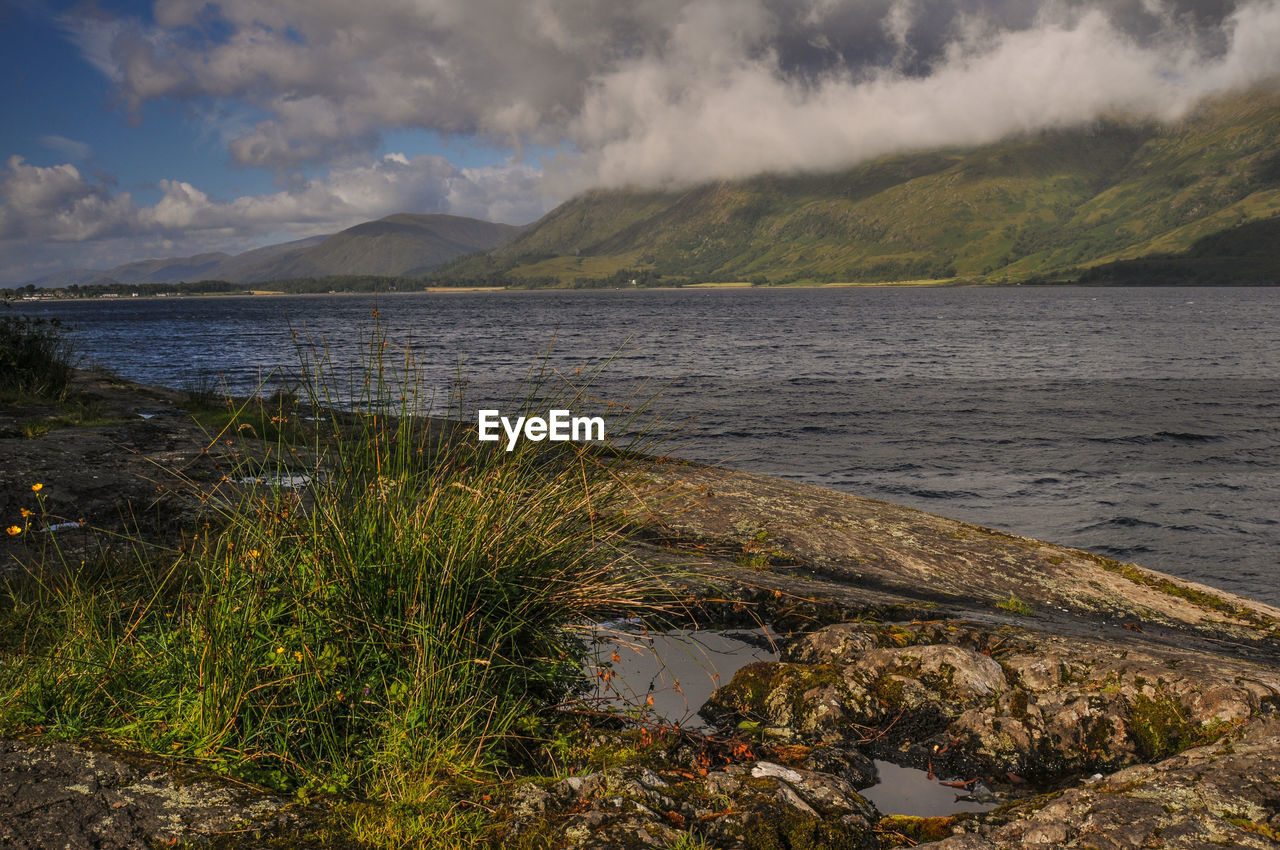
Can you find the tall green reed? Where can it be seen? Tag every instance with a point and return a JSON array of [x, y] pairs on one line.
[[36, 359], [399, 613]]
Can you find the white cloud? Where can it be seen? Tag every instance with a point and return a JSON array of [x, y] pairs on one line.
[[657, 93], [645, 124], [56, 217], [674, 90], [58, 203]]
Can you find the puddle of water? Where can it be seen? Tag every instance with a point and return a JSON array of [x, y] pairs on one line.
[[907, 791], [668, 676], [277, 480]]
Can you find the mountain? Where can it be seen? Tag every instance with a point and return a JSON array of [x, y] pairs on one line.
[[69, 277], [244, 267], [199, 267], [402, 244], [1051, 204]]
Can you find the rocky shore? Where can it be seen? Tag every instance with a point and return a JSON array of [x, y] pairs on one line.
[[1094, 703]]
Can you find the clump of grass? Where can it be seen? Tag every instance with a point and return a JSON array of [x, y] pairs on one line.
[[397, 619], [203, 391], [1015, 605], [36, 359]]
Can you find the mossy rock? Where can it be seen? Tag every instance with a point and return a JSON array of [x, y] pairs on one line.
[[909, 830], [773, 693], [1160, 727], [790, 830]]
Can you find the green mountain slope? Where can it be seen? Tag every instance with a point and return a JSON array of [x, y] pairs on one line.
[[398, 245], [1050, 204], [402, 244]]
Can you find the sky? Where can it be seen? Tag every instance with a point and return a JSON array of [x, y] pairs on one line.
[[131, 130]]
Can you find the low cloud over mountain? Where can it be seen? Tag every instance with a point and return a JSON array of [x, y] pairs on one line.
[[656, 94]]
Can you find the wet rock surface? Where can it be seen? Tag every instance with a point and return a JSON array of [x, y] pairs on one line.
[[1025, 666]]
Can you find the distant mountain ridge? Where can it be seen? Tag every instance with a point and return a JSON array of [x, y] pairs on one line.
[[401, 244], [1118, 201], [1057, 204]]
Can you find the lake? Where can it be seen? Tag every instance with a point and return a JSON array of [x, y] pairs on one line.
[[1138, 423]]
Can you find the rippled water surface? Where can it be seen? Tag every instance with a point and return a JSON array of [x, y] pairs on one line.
[[1138, 423]]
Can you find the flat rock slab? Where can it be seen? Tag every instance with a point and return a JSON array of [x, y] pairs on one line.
[[120, 471], [61, 795], [804, 540]]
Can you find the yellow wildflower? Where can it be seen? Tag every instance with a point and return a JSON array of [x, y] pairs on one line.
[[13, 529], [25, 513], [37, 487], [279, 650], [253, 553], [297, 656]]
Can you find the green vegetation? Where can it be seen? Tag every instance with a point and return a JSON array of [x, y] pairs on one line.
[[401, 245], [690, 841], [1252, 826], [910, 830], [1202, 599], [73, 413], [1247, 254], [760, 553], [1014, 605], [296, 286], [789, 830], [1193, 202], [1160, 727], [397, 625], [35, 359], [1044, 207]]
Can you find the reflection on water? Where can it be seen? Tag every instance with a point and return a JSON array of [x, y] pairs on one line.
[[293, 480], [668, 676], [907, 791]]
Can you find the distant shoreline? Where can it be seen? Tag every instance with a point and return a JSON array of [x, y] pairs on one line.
[[729, 285], [274, 293]]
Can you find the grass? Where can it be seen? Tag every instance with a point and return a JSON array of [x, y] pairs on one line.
[[399, 623], [1014, 605], [1199, 598], [71, 412], [35, 359]]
